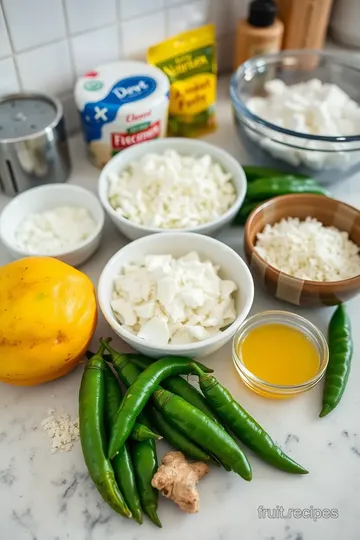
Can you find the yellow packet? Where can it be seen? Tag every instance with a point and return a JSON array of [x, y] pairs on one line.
[[189, 61]]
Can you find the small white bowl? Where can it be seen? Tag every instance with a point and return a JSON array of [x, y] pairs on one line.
[[47, 197], [178, 244], [184, 146]]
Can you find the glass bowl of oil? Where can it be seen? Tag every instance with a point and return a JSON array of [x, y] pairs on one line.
[[279, 354]]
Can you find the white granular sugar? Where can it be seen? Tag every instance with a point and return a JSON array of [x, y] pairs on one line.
[[63, 431], [308, 250]]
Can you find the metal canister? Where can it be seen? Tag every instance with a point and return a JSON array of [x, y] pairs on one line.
[[33, 142]]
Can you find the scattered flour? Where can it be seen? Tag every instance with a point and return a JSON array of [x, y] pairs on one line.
[[63, 430]]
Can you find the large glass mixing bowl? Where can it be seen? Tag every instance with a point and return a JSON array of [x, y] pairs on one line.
[[328, 158]]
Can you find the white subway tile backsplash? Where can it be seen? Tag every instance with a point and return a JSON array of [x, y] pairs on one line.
[[72, 120], [134, 8], [46, 44], [8, 78], [184, 17], [34, 22], [46, 69], [5, 48], [94, 48], [85, 15], [139, 34]]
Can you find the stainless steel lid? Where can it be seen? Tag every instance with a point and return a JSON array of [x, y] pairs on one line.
[[33, 142]]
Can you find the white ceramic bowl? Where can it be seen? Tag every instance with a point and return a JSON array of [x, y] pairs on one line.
[[178, 244], [42, 198], [183, 146]]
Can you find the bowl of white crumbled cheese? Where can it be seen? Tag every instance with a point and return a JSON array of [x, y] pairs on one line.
[[300, 111], [175, 294], [172, 184], [305, 249], [61, 220]]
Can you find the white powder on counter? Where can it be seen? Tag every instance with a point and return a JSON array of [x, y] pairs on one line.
[[63, 431]]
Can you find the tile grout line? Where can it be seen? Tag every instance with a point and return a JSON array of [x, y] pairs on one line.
[[118, 28], [67, 37], [13, 53], [68, 40], [166, 10], [141, 15]]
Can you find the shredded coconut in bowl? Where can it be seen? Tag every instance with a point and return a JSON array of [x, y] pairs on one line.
[[172, 191], [308, 250]]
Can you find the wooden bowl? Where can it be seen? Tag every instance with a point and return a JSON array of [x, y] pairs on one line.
[[283, 286]]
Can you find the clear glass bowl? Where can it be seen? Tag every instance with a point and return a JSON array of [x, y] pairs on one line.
[[295, 321], [327, 158]]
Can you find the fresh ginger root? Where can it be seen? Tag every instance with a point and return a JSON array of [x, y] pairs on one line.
[[176, 478]]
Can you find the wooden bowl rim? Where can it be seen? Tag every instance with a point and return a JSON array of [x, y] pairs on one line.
[[274, 272]]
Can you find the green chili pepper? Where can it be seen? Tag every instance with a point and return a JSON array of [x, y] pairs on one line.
[[126, 366], [113, 397], [92, 433], [340, 354], [142, 361], [178, 386], [176, 438], [125, 477], [253, 172], [138, 395], [244, 426], [205, 432], [142, 433], [146, 455], [181, 440], [122, 464], [266, 188], [145, 466]]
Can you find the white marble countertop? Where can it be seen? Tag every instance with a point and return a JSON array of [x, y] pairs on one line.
[[46, 496]]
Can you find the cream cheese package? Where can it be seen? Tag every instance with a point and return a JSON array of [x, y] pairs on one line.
[[121, 104]]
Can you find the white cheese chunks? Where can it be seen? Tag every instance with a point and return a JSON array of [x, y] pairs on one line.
[[53, 231], [310, 107], [308, 250], [172, 191], [173, 301]]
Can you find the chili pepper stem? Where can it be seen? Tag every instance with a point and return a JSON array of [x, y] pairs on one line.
[[199, 371], [101, 350], [106, 342], [89, 354]]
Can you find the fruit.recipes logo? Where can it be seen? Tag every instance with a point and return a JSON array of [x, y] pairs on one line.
[[279, 512]]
